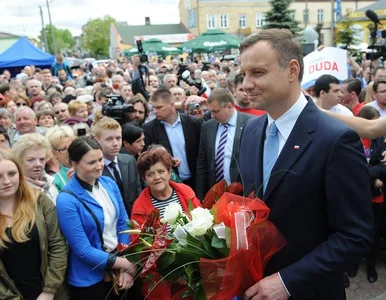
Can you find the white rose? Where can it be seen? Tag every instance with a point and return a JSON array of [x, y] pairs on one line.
[[172, 212], [202, 220]]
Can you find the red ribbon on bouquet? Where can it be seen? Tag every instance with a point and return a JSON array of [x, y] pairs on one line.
[[254, 239]]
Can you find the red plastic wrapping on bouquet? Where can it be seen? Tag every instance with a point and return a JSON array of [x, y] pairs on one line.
[[232, 276]]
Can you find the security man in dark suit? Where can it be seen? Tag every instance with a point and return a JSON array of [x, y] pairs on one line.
[[118, 166], [178, 133], [219, 142]]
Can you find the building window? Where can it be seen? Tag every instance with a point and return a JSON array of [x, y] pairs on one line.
[[293, 14], [211, 21], [224, 21], [260, 20], [320, 15], [306, 16], [242, 21], [335, 16], [187, 4], [192, 18]]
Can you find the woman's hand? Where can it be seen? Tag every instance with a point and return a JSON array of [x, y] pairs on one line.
[[378, 184], [176, 162], [45, 296], [126, 280]]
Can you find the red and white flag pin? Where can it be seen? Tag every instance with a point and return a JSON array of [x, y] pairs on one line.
[[296, 147]]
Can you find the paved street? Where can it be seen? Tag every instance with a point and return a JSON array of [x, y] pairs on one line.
[[361, 289]]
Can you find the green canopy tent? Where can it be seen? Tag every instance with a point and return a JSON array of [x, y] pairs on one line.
[[210, 41], [154, 46]]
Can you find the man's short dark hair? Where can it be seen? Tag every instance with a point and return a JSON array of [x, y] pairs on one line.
[[323, 84], [239, 78], [162, 94], [223, 96], [377, 83], [4, 88], [353, 85], [377, 69]]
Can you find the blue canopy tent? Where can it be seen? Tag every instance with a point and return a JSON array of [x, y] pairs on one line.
[[23, 53]]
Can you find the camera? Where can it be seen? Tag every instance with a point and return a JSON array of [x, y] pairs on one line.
[[193, 82], [142, 56], [116, 108], [194, 106]]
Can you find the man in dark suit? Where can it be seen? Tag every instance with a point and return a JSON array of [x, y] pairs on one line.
[[178, 133], [215, 162], [118, 166], [309, 169]]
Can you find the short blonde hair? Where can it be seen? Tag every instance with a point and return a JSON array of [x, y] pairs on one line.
[[105, 123], [30, 141], [75, 105], [56, 135]]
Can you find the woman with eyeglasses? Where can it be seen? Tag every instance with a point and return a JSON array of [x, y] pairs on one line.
[[60, 139], [22, 100], [32, 151]]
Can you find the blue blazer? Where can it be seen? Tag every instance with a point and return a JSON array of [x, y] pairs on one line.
[[320, 200], [87, 260]]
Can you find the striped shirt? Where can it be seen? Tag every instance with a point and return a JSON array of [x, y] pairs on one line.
[[162, 204]]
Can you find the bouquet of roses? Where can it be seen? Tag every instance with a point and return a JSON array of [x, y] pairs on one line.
[[214, 252]]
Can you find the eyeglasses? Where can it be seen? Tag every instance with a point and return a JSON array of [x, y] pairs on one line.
[[62, 150], [59, 111], [21, 104]]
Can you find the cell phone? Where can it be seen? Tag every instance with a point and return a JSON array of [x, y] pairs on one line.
[[81, 131]]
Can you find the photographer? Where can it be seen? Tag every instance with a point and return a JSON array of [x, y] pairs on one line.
[[196, 106]]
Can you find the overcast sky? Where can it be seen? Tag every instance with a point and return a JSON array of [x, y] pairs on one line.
[[22, 17]]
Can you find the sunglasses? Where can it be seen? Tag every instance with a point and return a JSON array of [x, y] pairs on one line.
[[59, 111], [21, 104]]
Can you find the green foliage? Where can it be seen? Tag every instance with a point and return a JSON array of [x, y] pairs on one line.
[[63, 39], [96, 36], [346, 35], [280, 16]]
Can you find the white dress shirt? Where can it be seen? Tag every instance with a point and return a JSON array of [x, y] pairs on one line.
[[229, 144], [286, 122], [382, 112]]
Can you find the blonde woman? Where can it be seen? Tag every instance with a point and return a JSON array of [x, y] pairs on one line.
[[60, 139], [31, 151], [78, 109], [29, 236]]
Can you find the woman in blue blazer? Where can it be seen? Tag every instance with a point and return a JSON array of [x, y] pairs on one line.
[[91, 214]]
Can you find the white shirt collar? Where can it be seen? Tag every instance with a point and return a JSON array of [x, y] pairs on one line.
[[286, 122], [233, 120], [107, 161]]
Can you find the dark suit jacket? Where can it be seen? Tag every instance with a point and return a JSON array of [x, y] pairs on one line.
[[206, 167], [131, 183], [320, 200], [155, 133]]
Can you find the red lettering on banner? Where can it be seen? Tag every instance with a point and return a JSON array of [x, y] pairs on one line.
[[323, 66]]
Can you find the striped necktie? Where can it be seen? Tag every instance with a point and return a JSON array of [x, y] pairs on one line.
[[219, 161]]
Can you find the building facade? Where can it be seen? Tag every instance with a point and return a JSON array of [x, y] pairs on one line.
[[243, 17]]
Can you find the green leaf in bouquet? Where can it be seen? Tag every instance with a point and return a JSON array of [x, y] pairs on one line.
[[194, 246], [218, 243], [228, 236], [187, 294], [165, 260], [199, 293], [132, 224], [190, 205], [194, 276], [210, 251]]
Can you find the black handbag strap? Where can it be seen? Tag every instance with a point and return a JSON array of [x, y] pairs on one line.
[[100, 232]]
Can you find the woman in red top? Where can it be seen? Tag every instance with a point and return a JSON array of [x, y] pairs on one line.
[[155, 169]]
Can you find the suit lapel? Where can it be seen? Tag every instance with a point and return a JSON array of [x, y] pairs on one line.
[[106, 172], [211, 138], [258, 157], [187, 132], [297, 143], [162, 136], [124, 168]]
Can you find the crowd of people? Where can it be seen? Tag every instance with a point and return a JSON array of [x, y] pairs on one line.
[[71, 177]]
